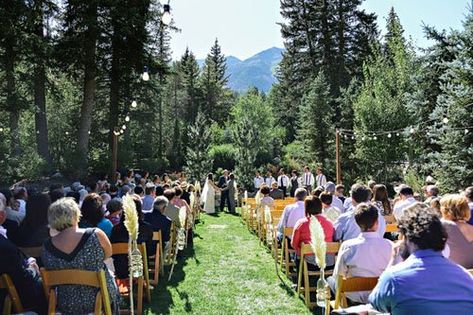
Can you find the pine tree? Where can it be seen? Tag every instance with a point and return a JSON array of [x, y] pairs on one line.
[[213, 82], [189, 71], [198, 163], [315, 122], [455, 160]]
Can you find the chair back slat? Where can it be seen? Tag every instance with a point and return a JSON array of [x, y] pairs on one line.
[[357, 284], [288, 231], [119, 248], [332, 248], [12, 298], [391, 227], [54, 278]]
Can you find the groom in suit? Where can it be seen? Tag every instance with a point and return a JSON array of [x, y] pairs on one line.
[[222, 184], [231, 192]]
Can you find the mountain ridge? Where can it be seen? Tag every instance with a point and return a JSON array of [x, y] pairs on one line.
[[257, 70]]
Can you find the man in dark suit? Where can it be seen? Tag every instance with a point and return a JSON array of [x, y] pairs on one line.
[[23, 271], [225, 197]]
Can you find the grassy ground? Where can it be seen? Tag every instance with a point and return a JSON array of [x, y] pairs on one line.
[[227, 272]]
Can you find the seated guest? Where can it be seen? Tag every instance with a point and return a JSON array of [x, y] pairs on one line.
[[339, 192], [148, 199], [74, 195], [138, 190], [406, 195], [426, 282], [275, 192], [345, 226], [431, 192], [185, 192], [55, 195], [171, 211], [22, 270], [93, 214], [33, 230], [10, 227], [301, 234], [435, 204], [266, 199], [115, 210], [330, 212], [455, 214], [76, 248], [368, 255], [293, 212], [120, 235], [381, 200], [10, 207], [336, 202], [159, 221], [469, 197], [21, 196]]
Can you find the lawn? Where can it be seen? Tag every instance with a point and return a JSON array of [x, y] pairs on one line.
[[227, 272]]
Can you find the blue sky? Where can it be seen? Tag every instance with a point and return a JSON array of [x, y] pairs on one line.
[[246, 27]]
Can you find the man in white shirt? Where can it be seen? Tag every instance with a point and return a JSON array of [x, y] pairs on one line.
[[336, 202], [293, 212], [258, 181], [407, 199], [308, 180], [269, 180], [368, 255], [283, 182], [321, 180]]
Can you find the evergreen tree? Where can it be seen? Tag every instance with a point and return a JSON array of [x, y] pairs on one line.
[[455, 160], [213, 82], [189, 71], [198, 163], [315, 122]]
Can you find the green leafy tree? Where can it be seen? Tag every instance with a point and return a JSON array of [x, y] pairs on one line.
[[198, 162]]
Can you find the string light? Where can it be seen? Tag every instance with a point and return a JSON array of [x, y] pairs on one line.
[[134, 104], [1, 129], [412, 130], [67, 133], [166, 18], [466, 131], [389, 135], [127, 118], [124, 127], [122, 131], [145, 75], [445, 120], [397, 134]]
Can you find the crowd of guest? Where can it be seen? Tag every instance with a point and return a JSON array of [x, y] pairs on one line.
[[76, 225], [435, 236]]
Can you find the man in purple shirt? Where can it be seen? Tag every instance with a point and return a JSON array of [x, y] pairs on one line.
[[426, 282]]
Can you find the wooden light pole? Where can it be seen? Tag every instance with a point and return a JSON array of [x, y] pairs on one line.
[[337, 156]]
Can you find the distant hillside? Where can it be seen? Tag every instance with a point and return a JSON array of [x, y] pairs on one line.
[[255, 71]]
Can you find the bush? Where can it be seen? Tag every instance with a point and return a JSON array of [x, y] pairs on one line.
[[224, 156]]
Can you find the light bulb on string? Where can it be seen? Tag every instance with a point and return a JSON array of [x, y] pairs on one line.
[[375, 138], [397, 134], [127, 118], [88, 132], [124, 127], [116, 133], [145, 75], [166, 18], [122, 131], [466, 131], [412, 130], [445, 120], [353, 137], [67, 133], [134, 104], [363, 138], [389, 135], [344, 136]]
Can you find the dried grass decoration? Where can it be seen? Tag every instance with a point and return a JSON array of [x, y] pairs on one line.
[[319, 247], [134, 255]]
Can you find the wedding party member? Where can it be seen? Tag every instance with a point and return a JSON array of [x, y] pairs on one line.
[[258, 181], [22, 270], [276, 193], [406, 195], [208, 194], [345, 226], [301, 234], [308, 180], [76, 248], [269, 180], [426, 282], [455, 214], [295, 182], [320, 179], [283, 182], [231, 190], [293, 212], [222, 183], [368, 255]]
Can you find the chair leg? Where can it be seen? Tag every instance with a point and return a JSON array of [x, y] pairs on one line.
[[306, 284], [299, 278]]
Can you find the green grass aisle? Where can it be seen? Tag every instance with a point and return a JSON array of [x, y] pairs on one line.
[[228, 272]]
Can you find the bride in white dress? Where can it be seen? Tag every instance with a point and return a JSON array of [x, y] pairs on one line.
[[208, 194]]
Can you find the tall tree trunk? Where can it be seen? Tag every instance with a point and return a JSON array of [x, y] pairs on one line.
[[41, 124], [114, 92], [89, 88], [12, 97]]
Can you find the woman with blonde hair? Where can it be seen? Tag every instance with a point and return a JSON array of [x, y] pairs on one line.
[[455, 214]]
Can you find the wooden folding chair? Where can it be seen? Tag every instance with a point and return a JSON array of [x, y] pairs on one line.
[[391, 227], [157, 261], [306, 249], [353, 284], [389, 219], [122, 249], [286, 261], [12, 299], [34, 252], [54, 278]]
